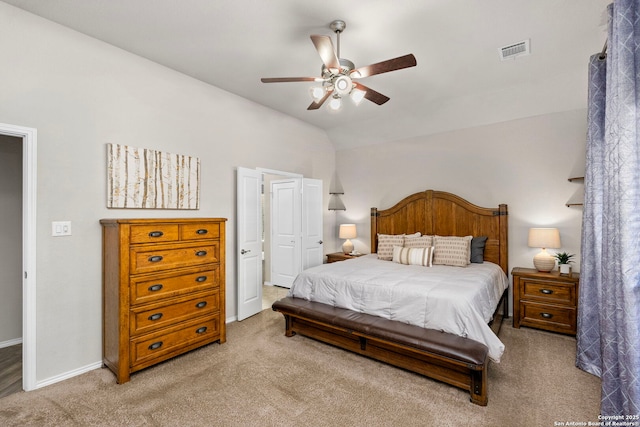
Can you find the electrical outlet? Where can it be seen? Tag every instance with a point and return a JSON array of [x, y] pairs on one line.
[[61, 228]]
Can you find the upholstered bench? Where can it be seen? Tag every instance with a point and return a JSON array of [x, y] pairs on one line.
[[458, 361]]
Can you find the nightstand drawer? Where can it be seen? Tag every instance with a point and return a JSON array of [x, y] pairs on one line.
[[546, 316], [552, 292]]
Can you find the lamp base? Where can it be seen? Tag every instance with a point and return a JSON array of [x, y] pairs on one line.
[[544, 262], [347, 247]]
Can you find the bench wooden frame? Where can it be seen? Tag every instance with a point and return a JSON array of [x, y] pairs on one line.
[[445, 357]]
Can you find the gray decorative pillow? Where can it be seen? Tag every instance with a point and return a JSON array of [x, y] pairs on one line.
[[477, 249]]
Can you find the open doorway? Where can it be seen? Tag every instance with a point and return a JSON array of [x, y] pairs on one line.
[[10, 265], [22, 149]]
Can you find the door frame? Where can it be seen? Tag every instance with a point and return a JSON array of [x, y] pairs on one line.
[[29, 138]]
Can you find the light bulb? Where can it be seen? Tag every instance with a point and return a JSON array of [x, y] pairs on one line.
[[335, 103], [317, 92], [357, 96]]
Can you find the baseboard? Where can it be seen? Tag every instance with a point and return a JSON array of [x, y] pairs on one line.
[[10, 343], [69, 374]]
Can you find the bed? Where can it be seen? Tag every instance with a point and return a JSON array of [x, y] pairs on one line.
[[357, 304]]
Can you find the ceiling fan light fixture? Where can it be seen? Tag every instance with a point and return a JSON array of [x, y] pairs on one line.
[[317, 92], [343, 85], [335, 104], [357, 96]]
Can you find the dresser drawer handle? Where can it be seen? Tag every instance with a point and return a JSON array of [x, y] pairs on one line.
[[201, 304], [201, 253], [155, 258], [156, 316], [155, 345], [155, 288], [201, 330], [202, 231], [546, 291], [546, 315], [201, 278], [156, 234]]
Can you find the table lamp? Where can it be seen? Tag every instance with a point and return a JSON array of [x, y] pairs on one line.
[[347, 231], [544, 238]]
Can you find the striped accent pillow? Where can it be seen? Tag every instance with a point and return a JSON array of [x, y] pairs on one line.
[[452, 250], [413, 256], [418, 242], [386, 242]]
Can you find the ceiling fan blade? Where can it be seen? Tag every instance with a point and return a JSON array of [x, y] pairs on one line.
[[372, 95], [398, 63], [324, 46], [317, 104], [290, 79]]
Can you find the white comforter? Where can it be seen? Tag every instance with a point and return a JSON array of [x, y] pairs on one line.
[[457, 300]]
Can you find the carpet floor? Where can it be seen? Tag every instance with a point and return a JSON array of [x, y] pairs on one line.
[[260, 377]]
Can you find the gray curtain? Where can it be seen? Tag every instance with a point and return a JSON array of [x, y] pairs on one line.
[[609, 298]]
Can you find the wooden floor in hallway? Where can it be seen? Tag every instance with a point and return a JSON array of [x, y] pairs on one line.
[[10, 370]]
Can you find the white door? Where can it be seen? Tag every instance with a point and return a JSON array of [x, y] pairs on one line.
[[249, 242], [286, 218], [312, 249]]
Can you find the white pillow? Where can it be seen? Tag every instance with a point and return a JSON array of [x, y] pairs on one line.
[[386, 242], [413, 256], [452, 250]]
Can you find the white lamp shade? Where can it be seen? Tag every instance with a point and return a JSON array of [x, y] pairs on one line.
[[347, 231], [544, 238]]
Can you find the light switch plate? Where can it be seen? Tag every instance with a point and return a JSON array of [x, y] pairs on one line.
[[61, 228]]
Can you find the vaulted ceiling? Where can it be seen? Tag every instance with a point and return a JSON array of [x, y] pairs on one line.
[[459, 81]]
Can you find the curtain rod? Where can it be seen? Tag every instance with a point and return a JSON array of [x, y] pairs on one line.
[[603, 54]]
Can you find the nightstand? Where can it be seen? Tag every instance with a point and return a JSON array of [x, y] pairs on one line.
[[340, 256], [546, 301]]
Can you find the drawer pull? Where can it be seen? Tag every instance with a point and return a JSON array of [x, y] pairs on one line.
[[156, 316], [546, 291], [546, 315], [201, 330], [202, 231], [155, 288], [201, 278], [201, 304], [201, 253], [155, 258], [155, 345], [156, 234]]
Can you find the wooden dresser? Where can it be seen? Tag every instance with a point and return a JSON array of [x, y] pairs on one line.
[[163, 289], [545, 300]]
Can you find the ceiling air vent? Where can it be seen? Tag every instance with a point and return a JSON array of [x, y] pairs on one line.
[[514, 50]]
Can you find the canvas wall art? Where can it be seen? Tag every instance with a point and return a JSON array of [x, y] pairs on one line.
[[139, 178]]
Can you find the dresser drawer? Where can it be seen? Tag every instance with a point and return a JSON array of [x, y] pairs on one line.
[[154, 316], [541, 290], [198, 231], [148, 349], [154, 233], [547, 316], [149, 288], [148, 259]]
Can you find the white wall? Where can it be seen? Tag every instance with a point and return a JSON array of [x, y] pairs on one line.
[[523, 163], [81, 94], [10, 239]]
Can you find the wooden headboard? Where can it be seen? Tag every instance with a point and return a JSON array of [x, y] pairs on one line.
[[437, 212]]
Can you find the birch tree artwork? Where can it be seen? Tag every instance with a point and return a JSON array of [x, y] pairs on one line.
[[140, 178]]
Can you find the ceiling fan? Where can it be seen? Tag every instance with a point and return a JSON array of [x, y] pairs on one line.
[[339, 76]]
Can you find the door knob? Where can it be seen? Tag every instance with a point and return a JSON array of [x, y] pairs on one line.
[[319, 242], [245, 252]]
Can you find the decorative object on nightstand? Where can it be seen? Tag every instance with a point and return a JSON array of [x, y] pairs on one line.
[[564, 262], [544, 238], [340, 256], [347, 231], [546, 301]]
